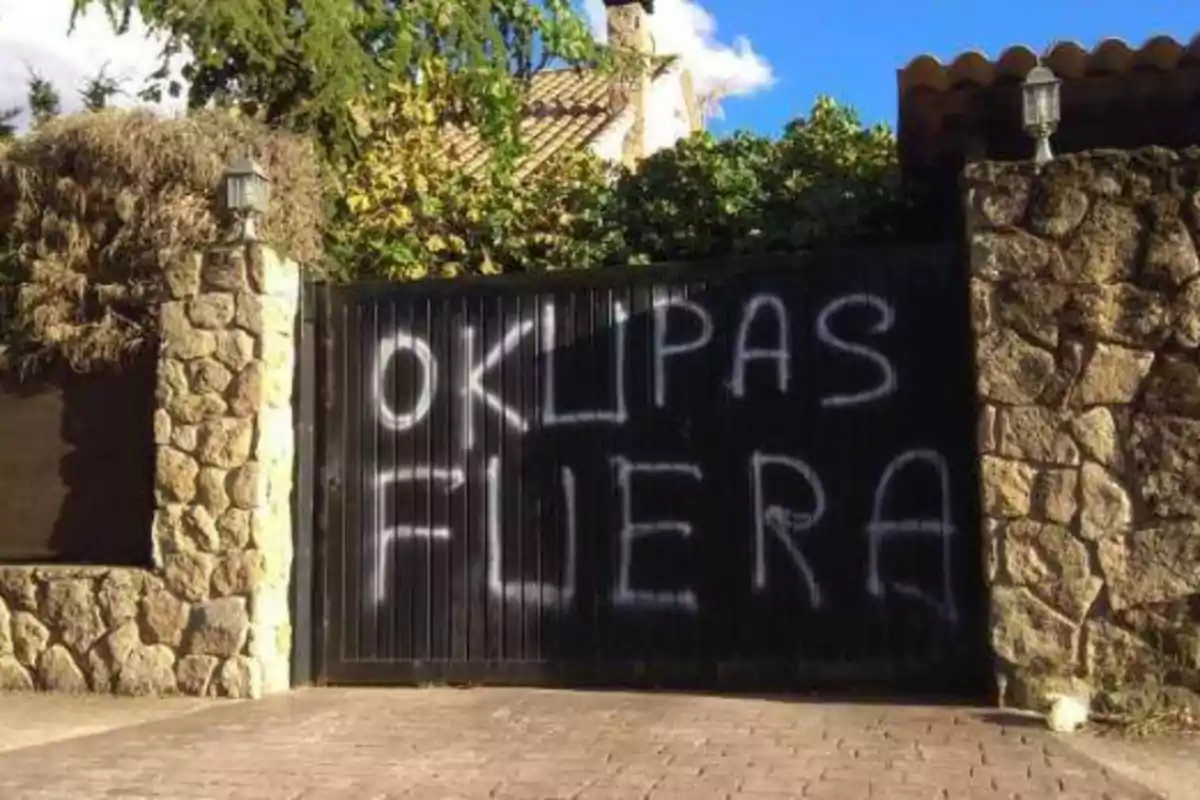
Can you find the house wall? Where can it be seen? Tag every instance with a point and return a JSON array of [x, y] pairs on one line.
[[667, 119]]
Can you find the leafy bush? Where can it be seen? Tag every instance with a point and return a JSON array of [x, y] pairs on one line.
[[406, 212], [92, 207]]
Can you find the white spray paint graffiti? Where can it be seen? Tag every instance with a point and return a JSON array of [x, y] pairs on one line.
[[887, 318], [785, 523], [624, 594], [880, 528], [387, 535], [781, 353], [474, 388], [788, 524], [384, 353], [541, 594], [663, 350], [551, 416]]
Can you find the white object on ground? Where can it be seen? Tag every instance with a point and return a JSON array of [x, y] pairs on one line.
[[1067, 713]]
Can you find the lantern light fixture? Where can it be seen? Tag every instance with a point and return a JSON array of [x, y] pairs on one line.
[[247, 193], [1041, 110]]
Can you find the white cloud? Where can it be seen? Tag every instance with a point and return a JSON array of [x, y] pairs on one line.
[[684, 28], [33, 35]]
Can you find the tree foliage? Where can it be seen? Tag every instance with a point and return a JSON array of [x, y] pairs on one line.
[[44, 100], [8, 121], [407, 212], [315, 66], [95, 207], [99, 90]]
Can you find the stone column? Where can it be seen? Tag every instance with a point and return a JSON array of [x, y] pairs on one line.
[[1085, 287], [211, 616], [223, 430]]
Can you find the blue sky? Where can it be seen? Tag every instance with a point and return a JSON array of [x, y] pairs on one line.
[[851, 49]]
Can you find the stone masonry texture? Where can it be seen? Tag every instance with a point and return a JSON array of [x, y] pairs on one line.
[[1085, 293], [211, 616]]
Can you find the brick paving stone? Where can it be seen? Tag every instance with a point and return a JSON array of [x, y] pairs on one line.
[[387, 744]]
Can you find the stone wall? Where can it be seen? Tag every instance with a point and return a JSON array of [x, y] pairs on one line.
[[211, 617], [1086, 307]]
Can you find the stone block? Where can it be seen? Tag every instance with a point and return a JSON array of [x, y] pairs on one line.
[[187, 575], [182, 276], [240, 678], [58, 672], [149, 670], [1054, 495], [29, 638], [234, 348], [19, 588], [1056, 209], [1034, 433], [210, 490], [164, 618], [1053, 564], [1171, 255], [1105, 246], [1105, 507], [1173, 386], [1003, 203], [208, 376], [1152, 565], [72, 611], [175, 476], [1118, 313], [1166, 465], [191, 409], [225, 443], [212, 311], [1027, 632], [225, 270], [218, 628], [1185, 316], [1010, 254], [1007, 487], [1011, 370], [239, 573], [1096, 432], [1031, 308], [194, 674], [1113, 375], [118, 594], [13, 676]]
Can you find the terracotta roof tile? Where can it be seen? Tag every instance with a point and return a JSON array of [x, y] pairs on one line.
[[564, 110], [1066, 59]]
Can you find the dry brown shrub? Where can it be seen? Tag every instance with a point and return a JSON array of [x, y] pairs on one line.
[[94, 206]]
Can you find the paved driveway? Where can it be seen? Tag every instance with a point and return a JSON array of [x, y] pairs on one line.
[[442, 743]]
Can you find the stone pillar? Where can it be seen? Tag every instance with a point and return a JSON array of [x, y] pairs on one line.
[[211, 616], [1085, 286], [223, 430]]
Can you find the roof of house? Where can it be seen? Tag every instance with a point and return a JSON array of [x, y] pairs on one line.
[[564, 110], [1066, 59]]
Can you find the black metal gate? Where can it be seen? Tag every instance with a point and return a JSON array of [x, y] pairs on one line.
[[713, 476]]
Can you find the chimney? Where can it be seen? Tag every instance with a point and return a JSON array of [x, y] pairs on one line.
[[629, 34]]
